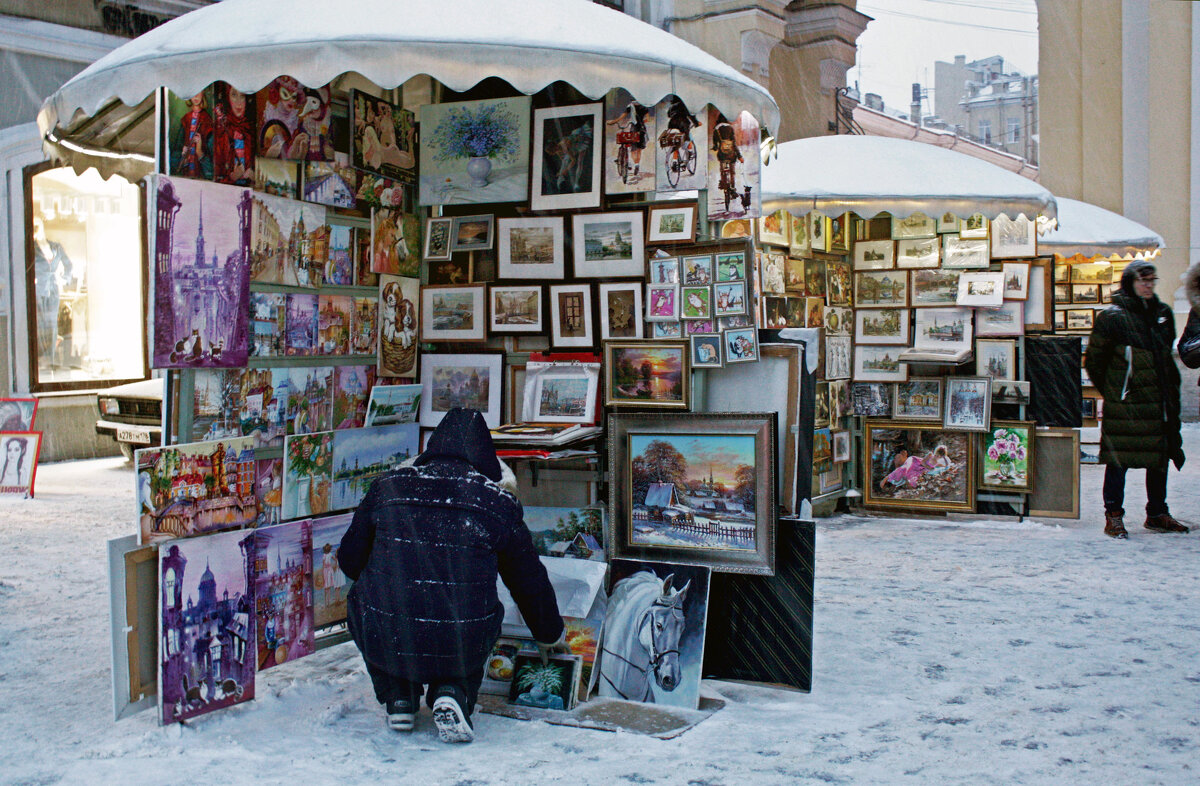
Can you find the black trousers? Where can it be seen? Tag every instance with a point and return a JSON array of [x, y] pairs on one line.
[[1156, 489], [390, 687]]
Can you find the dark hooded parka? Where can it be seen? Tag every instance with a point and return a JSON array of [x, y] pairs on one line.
[[424, 549], [1189, 342], [1129, 359]]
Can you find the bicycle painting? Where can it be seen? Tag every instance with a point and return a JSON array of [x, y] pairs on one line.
[[680, 161], [733, 167], [629, 134]]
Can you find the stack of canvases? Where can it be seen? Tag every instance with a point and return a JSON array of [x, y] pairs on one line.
[[287, 254], [926, 293]]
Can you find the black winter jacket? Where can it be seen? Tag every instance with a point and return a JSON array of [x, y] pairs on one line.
[[1129, 360], [1189, 342], [424, 549]]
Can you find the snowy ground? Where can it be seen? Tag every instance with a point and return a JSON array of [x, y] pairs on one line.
[[946, 652]]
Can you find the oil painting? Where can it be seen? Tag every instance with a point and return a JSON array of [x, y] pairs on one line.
[[577, 533], [680, 155], [293, 121], [646, 373], [1007, 463], [734, 166], [475, 151], [914, 466], [330, 585], [283, 607], [195, 489]]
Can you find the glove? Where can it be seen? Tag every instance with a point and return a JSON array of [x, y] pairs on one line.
[[557, 648]]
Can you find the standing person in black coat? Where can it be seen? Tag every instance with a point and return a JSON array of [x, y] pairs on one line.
[[1189, 342], [424, 550], [1129, 359]]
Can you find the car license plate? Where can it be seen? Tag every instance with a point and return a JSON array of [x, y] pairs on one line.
[[138, 436]]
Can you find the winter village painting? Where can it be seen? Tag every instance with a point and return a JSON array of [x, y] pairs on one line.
[[195, 489], [201, 274], [330, 585], [283, 602], [693, 490], [206, 625], [567, 532]]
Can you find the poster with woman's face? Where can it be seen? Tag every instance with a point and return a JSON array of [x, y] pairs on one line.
[[19, 462]]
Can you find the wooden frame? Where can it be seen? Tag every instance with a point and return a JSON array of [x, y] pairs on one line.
[[608, 310], [525, 322], [657, 232], [889, 326], [874, 363], [918, 398], [455, 323], [476, 243], [438, 239], [133, 613], [1000, 363], [968, 404], [903, 462], [974, 227], [1016, 280], [628, 434], [629, 387], [1080, 318], [1058, 453], [913, 226], [874, 255], [894, 282], [524, 262], [613, 262], [919, 252], [1039, 305], [1008, 320]]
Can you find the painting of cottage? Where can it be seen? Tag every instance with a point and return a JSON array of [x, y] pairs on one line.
[[195, 489], [567, 532]]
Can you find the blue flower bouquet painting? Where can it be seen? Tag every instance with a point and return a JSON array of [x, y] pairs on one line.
[[475, 151]]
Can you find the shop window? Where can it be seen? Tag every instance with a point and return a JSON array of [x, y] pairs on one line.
[[83, 279]]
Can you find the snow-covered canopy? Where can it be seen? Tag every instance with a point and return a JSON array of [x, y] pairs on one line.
[[528, 43], [869, 175], [1091, 231]]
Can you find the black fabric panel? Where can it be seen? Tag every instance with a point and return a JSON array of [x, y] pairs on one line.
[[808, 416], [1052, 366], [760, 628]]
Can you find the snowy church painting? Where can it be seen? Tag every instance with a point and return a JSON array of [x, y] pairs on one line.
[[201, 274], [206, 625], [693, 491], [283, 601]]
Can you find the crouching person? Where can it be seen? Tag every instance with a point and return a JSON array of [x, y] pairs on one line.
[[424, 550]]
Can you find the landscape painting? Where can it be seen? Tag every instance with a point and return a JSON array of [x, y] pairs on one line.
[[361, 455], [195, 489], [206, 625], [390, 404], [330, 585], [567, 532], [646, 373], [201, 301], [283, 607]]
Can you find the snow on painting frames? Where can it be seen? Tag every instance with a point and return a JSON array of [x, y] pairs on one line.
[[694, 488]]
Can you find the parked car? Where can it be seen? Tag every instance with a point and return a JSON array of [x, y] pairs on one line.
[[131, 414]]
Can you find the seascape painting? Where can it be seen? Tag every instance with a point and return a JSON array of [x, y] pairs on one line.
[[361, 455], [283, 606]]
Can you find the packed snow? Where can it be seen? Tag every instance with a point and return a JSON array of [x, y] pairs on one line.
[[964, 650]]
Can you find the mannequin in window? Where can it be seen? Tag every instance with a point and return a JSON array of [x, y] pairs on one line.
[[52, 269]]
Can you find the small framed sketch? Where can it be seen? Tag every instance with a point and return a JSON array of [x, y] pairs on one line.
[[916, 225], [798, 242], [621, 310], [442, 388], [531, 247], [472, 233], [1085, 294], [741, 345], [1016, 280], [567, 165], [818, 231], [1062, 274], [1060, 320], [996, 358], [1038, 304], [919, 398], [437, 239], [1062, 294], [1008, 320], [837, 357], [571, 316], [840, 321], [1007, 454], [666, 329], [773, 228], [647, 374], [947, 222], [695, 302], [706, 350], [454, 313], [959, 254], [943, 328], [1092, 273], [918, 252], [881, 326], [974, 227], [662, 303], [515, 309], [874, 255], [981, 289], [609, 245], [1079, 318], [841, 446], [663, 270], [881, 289], [674, 223], [934, 287], [729, 298], [878, 364], [1013, 237], [968, 403]]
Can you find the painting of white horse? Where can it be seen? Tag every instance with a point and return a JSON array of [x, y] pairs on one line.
[[652, 644]]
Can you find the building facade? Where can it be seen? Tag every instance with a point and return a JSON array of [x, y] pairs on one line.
[[983, 102]]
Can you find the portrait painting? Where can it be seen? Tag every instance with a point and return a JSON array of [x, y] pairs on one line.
[[382, 137], [567, 166], [190, 134], [19, 470], [329, 583], [294, 121]]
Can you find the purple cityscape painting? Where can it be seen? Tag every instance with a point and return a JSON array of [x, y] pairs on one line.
[[201, 274], [283, 603], [206, 625]]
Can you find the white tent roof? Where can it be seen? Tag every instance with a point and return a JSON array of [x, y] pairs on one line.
[[1092, 231], [528, 43], [870, 174]]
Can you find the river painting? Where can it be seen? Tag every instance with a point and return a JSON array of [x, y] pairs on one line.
[[650, 374]]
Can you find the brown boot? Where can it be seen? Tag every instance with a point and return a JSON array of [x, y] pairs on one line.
[[1164, 523], [1114, 526]]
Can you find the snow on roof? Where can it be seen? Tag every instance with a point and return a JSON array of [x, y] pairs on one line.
[[1090, 230], [660, 495]]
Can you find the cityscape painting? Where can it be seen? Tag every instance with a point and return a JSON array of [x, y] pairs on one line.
[[283, 603], [195, 489]]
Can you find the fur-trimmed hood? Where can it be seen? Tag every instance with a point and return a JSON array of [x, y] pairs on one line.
[[1191, 284]]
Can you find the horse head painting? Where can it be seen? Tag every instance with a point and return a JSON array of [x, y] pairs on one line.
[[641, 636]]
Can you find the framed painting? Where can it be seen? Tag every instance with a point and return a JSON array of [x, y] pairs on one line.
[[608, 245], [914, 226], [662, 303], [1088, 407], [453, 313], [829, 482], [1008, 391], [647, 374], [881, 289], [1013, 237], [662, 270], [919, 398], [475, 151], [822, 455], [671, 224], [19, 471], [620, 310], [1008, 320], [560, 392], [472, 233], [1016, 280], [1006, 461], [1062, 274], [741, 345], [1056, 474], [918, 252], [947, 222], [818, 231], [968, 403], [881, 326], [996, 358], [697, 270], [567, 166], [878, 364], [571, 316], [531, 247], [773, 228], [695, 302], [19, 414], [874, 255], [731, 266], [437, 239], [515, 309], [839, 233], [872, 399], [696, 488], [666, 329], [981, 289], [798, 236], [283, 600], [473, 381], [837, 357], [841, 446], [959, 254], [943, 328], [210, 464], [390, 404], [1080, 318], [821, 404], [706, 350], [839, 321], [839, 398], [973, 227], [383, 138], [1086, 294], [837, 282], [1062, 294], [934, 287], [918, 467]]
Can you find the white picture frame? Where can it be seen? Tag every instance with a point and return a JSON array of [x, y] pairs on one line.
[[959, 254], [874, 255], [943, 328], [921, 252], [522, 250], [613, 303], [503, 319], [571, 316], [968, 404], [549, 124], [1016, 280], [608, 245], [874, 363], [662, 303], [981, 289], [444, 312], [1013, 237], [436, 372], [544, 378], [996, 358], [1008, 320], [882, 326]]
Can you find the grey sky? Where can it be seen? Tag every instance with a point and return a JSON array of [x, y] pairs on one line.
[[900, 46]]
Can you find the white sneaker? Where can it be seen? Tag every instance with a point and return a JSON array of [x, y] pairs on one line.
[[452, 723]]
